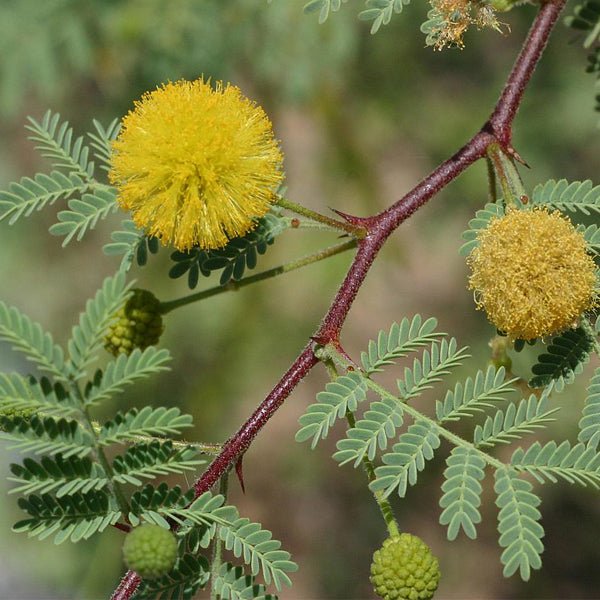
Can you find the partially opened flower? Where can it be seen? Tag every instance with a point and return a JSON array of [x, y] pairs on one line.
[[532, 273], [196, 165]]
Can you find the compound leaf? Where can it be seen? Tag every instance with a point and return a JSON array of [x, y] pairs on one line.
[[341, 395], [407, 458], [399, 341], [518, 524], [462, 492]]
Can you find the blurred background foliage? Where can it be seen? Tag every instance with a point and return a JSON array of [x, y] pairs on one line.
[[361, 119]]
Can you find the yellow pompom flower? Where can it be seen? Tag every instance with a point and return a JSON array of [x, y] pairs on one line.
[[532, 274], [196, 165]]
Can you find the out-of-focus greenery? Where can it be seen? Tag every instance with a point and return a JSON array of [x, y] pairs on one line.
[[361, 119]]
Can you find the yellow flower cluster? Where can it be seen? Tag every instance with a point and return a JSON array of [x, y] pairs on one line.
[[532, 273], [196, 165], [456, 16]]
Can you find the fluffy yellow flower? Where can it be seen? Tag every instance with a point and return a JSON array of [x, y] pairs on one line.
[[532, 273], [196, 165]]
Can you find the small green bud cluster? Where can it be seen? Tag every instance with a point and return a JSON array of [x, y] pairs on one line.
[[405, 569], [150, 551], [138, 325]]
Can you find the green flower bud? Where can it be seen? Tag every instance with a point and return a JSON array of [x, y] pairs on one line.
[[138, 324], [150, 551], [404, 569]]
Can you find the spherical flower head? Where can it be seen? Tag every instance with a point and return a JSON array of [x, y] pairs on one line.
[[150, 551], [196, 165], [532, 274], [405, 569], [138, 324]]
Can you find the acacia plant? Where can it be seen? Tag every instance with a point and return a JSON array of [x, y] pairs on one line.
[[195, 167]]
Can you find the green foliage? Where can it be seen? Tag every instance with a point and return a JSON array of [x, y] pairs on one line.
[[84, 214], [54, 141], [515, 422], [580, 196], [238, 255], [564, 358], [462, 492], [589, 424], [439, 360], [372, 432], [28, 337], [586, 17], [381, 11], [46, 436], [579, 463], [73, 517], [152, 460], [20, 394], [191, 572], [132, 244], [394, 470], [63, 476], [481, 221], [340, 396], [233, 583], [125, 370], [518, 524], [87, 337], [323, 7], [398, 342], [402, 465], [148, 422], [239, 535], [474, 395]]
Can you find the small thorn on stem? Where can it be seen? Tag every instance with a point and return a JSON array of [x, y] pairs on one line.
[[240, 473]]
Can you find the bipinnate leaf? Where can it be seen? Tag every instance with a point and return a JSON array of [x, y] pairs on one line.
[[28, 337], [462, 492], [406, 459], [88, 336], [32, 194], [564, 358], [518, 524], [125, 370], [401, 339], [20, 394], [380, 12], [378, 425], [343, 394], [579, 463], [149, 421], [59, 475], [46, 435], [54, 140], [589, 424], [573, 196], [152, 460], [481, 221], [190, 573], [75, 517], [474, 395], [233, 583], [84, 213], [240, 254], [435, 362]]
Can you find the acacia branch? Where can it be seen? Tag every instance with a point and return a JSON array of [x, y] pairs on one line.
[[497, 129]]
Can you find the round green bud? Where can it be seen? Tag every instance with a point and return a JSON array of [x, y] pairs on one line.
[[404, 569], [138, 324], [150, 551]]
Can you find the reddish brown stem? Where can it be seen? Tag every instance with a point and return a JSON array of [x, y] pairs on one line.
[[497, 129]]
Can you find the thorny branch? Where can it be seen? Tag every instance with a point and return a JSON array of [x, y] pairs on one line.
[[497, 129]]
